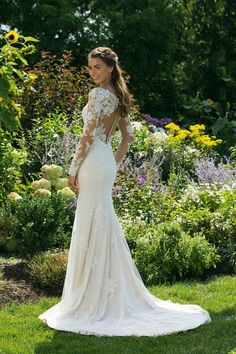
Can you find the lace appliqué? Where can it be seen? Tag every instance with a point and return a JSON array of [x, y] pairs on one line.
[[129, 127], [82, 245], [110, 286], [101, 102], [94, 263], [100, 215]]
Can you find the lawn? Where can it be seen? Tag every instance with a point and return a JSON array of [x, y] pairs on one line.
[[22, 333]]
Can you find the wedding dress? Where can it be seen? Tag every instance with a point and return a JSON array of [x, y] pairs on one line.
[[103, 292]]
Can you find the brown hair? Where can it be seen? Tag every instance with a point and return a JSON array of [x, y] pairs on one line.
[[122, 92]]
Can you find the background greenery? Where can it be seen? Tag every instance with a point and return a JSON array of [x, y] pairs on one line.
[[172, 50]]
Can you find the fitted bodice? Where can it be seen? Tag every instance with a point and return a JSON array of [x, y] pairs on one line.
[[108, 119], [100, 116]]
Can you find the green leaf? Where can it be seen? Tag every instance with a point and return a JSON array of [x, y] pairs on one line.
[[8, 119], [32, 39], [219, 125], [226, 79], [7, 70], [24, 61], [11, 63], [4, 88], [18, 72]]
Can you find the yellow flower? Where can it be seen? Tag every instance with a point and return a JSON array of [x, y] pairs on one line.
[[1, 99], [183, 133], [206, 140], [210, 102], [218, 141], [172, 126], [12, 35], [197, 127], [170, 138]]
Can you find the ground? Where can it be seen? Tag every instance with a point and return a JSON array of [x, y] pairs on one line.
[[15, 284]]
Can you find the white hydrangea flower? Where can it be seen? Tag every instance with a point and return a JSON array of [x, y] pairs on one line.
[[41, 192], [61, 183], [67, 193], [51, 172], [42, 183], [13, 196]]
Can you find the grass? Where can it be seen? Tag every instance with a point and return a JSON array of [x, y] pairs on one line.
[[22, 333]]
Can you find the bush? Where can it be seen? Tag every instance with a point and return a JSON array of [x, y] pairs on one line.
[[48, 269], [167, 253], [219, 229], [11, 161], [210, 211], [36, 224]]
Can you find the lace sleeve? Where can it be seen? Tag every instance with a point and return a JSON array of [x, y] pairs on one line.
[[129, 128], [87, 137]]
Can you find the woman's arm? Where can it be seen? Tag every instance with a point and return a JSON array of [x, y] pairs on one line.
[[126, 139], [87, 137]]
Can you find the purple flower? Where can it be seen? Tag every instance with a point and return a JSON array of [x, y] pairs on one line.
[[116, 190], [156, 121], [141, 179], [208, 172]]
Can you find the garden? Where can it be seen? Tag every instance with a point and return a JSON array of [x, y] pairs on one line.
[[174, 196]]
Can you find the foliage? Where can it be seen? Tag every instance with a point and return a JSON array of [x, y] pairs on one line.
[[46, 224], [166, 253], [60, 86], [220, 118], [207, 39], [51, 141], [140, 192], [14, 81], [209, 210], [185, 51], [48, 269], [221, 173], [11, 165]]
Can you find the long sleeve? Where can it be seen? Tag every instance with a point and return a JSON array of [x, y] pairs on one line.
[[89, 129], [126, 138]]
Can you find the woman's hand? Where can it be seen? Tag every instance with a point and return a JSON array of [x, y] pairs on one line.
[[73, 184]]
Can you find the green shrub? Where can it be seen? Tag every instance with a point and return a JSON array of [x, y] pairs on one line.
[[167, 253], [48, 269], [219, 229], [210, 211], [11, 161], [36, 224]]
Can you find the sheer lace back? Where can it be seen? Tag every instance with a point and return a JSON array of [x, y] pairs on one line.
[[109, 115], [100, 121]]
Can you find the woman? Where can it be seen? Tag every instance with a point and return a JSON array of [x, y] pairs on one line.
[[103, 292]]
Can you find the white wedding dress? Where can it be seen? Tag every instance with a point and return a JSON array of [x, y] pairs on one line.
[[103, 292]]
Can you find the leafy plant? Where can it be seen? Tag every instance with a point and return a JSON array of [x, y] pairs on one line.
[[12, 160], [48, 269], [46, 224], [166, 253], [14, 81]]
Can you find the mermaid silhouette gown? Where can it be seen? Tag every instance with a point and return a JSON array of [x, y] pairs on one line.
[[103, 292]]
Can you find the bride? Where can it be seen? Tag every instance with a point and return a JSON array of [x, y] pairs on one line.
[[103, 292]]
